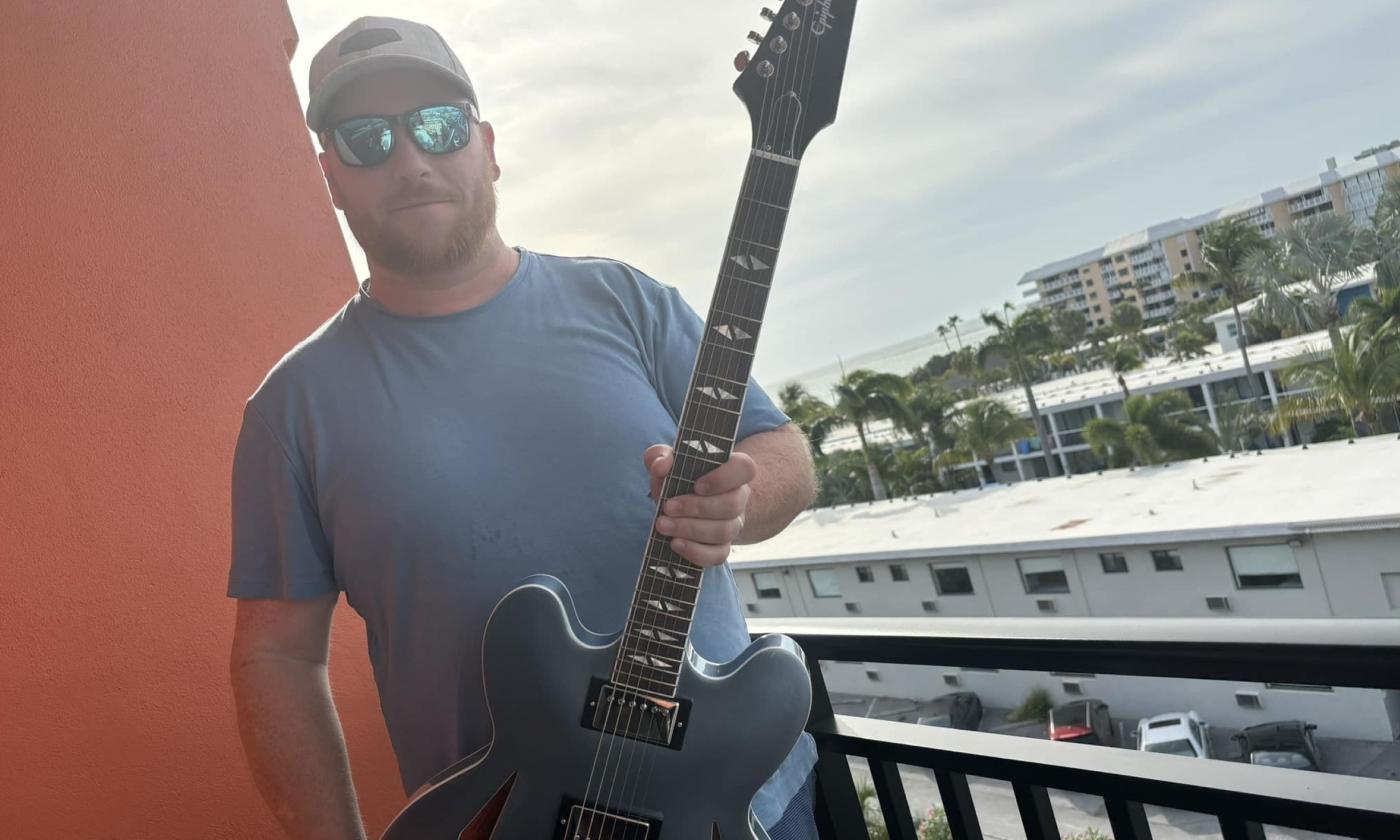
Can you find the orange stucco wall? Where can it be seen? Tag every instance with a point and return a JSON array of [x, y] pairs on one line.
[[165, 235]]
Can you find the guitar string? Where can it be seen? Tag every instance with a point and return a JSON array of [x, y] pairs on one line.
[[682, 468], [763, 173]]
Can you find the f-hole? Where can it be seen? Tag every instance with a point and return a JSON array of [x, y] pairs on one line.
[[484, 823]]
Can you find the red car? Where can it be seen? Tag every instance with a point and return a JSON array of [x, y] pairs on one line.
[[1082, 722]]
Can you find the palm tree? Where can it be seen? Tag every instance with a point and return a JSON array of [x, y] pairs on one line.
[[943, 334], [1360, 379], [814, 417], [929, 406], [1371, 315], [964, 364], [953, 322], [1155, 428], [1300, 285], [1072, 329], [1021, 341], [983, 428], [1124, 358], [864, 395], [1224, 247], [1239, 425]]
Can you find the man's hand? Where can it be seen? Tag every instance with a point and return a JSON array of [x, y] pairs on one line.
[[703, 525]]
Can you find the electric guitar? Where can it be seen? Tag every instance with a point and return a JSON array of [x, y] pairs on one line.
[[633, 736]]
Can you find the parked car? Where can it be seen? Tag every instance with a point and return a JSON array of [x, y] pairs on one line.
[[1285, 743], [1082, 722], [960, 710], [1175, 734]]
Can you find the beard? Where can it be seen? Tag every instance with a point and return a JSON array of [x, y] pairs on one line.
[[414, 252]]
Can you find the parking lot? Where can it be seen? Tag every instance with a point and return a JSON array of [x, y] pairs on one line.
[[996, 805]]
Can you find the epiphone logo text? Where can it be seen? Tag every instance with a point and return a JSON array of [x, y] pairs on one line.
[[824, 19]]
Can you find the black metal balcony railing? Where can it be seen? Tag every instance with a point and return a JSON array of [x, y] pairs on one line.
[[1243, 797]]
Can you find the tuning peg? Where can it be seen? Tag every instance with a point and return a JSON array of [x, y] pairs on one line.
[[768, 14], [755, 37], [741, 61]]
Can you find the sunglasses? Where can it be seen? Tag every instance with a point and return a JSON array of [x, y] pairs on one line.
[[368, 141]]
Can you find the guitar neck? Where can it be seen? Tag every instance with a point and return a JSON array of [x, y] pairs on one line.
[[663, 606]]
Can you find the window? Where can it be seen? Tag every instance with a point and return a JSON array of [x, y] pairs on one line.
[[1265, 567], [864, 574], [824, 583], [898, 573], [1166, 561], [1323, 689], [1043, 574], [1390, 582], [952, 580], [1113, 563], [767, 584]]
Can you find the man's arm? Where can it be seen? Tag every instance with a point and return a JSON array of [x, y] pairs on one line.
[[768, 480], [784, 482], [286, 719]]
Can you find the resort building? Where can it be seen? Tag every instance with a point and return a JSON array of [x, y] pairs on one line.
[[1144, 268], [1297, 533]]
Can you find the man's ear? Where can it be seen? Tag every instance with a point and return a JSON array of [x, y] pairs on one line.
[[488, 137], [324, 159]]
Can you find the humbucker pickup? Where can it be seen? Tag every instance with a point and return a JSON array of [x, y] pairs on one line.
[[577, 821], [618, 710]]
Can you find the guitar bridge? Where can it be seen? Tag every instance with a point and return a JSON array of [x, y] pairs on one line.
[[619, 710]]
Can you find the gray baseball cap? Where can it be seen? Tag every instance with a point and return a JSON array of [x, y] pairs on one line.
[[371, 44]]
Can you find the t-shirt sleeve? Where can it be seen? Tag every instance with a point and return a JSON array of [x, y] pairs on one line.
[[674, 338], [279, 547]]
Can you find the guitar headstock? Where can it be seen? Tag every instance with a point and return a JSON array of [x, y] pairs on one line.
[[792, 82]]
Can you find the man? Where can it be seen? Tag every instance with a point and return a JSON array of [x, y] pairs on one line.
[[471, 416]]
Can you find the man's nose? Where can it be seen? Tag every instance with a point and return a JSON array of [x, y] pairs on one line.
[[407, 162]]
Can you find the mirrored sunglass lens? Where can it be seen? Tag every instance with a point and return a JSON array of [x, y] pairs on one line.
[[365, 141], [440, 129]]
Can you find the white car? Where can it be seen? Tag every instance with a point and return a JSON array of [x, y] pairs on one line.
[[1175, 734]]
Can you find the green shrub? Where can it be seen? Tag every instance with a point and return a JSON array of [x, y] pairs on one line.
[[1036, 706], [1087, 834]]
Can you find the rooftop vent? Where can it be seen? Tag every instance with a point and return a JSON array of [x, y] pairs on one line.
[[1046, 605], [952, 679], [1217, 603], [852, 607], [1072, 688], [1248, 700], [930, 606]]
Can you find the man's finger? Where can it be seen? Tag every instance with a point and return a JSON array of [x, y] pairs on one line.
[[723, 506], [699, 554], [739, 470]]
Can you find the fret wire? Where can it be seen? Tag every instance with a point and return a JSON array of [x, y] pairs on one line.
[[764, 203], [721, 312], [763, 245]]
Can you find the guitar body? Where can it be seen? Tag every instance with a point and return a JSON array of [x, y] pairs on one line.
[[538, 664]]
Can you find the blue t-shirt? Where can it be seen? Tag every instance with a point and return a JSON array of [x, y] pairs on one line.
[[425, 465]]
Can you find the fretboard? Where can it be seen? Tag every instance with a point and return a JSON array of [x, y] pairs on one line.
[[663, 606]]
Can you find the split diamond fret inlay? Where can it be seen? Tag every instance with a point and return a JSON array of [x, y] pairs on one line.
[[750, 262], [732, 333], [704, 446], [716, 394]]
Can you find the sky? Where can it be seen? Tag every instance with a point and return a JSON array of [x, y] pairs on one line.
[[975, 140]]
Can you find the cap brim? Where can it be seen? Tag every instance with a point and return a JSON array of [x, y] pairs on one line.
[[335, 82]]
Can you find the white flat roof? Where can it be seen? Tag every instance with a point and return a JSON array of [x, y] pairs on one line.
[[1160, 373], [1282, 492]]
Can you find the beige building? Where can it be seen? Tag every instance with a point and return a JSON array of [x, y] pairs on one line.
[[1140, 268]]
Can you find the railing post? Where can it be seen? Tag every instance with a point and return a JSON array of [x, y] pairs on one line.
[[1128, 820], [958, 805], [893, 803], [839, 815], [1234, 828], [1037, 815]]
